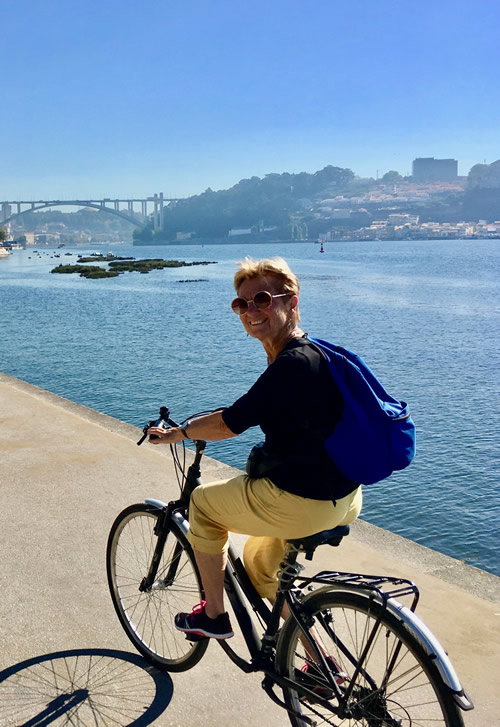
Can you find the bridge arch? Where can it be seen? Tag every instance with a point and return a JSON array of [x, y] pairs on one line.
[[77, 203]]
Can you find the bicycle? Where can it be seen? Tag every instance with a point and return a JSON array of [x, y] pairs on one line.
[[349, 652]]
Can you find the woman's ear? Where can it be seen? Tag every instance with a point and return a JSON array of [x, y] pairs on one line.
[[294, 301]]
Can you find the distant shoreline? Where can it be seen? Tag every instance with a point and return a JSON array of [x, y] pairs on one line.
[[240, 241]]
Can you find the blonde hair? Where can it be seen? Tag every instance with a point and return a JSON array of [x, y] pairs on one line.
[[272, 267]]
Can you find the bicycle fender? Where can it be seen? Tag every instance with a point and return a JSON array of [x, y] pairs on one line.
[[155, 503], [433, 648]]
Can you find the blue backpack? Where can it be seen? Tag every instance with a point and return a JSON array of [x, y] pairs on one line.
[[375, 434]]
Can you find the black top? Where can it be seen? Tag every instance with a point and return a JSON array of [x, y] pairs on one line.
[[296, 404]]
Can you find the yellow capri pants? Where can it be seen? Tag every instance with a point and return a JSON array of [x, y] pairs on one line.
[[258, 508]]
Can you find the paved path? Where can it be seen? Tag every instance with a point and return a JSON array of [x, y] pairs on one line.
[[66, 471]]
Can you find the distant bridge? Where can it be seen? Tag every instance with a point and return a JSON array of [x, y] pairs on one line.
[[157, 202]]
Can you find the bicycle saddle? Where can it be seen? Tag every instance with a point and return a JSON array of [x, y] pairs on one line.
[[325, 537]]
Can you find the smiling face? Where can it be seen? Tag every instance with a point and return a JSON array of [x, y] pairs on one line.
[[271, 324]]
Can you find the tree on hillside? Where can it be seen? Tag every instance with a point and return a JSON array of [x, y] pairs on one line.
[[3, 235], [482, 197], [484, 175], [391, 177]]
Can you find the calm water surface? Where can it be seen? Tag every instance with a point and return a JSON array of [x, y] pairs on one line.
[[424, 315]]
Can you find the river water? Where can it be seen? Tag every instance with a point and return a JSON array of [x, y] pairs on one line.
[[424, 316]]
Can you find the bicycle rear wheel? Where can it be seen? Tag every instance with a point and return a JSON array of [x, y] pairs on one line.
[[148, 616], [397, 686]]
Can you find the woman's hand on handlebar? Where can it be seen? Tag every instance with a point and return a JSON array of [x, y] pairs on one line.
[[209, 427], [165, 436]]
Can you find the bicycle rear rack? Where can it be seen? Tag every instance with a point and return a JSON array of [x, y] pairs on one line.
[[387, 590], [384, 587]]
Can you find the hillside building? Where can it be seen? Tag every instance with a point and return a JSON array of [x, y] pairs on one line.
[[428, 169]]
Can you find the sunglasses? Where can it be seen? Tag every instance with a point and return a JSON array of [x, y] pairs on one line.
[[260, 300]]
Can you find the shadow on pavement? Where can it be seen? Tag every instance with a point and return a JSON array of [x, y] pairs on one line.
[[87, 687]]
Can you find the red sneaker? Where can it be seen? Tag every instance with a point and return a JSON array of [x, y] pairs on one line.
[[197, 623]]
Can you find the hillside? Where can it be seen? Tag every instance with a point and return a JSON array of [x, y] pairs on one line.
[[303, 206], [272, 201]]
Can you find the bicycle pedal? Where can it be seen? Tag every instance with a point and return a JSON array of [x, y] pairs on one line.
[[195, 637]]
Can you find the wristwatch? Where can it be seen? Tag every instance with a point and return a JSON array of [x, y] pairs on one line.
[[184, 429]]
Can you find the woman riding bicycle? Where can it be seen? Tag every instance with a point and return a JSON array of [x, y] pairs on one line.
[[292, 488]]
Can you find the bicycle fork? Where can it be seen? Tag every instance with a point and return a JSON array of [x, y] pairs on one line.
[[161, 530]]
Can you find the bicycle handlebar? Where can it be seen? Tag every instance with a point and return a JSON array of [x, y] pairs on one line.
[[161, 422]]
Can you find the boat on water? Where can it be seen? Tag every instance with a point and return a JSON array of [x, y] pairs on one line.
[[4, 251]]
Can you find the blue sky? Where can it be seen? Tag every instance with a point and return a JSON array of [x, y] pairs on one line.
[[120, 99]]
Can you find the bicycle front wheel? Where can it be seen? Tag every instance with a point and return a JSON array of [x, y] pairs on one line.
[[396, 686], [148, 616]]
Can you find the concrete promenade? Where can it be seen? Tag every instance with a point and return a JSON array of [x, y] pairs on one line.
[[66, 472]]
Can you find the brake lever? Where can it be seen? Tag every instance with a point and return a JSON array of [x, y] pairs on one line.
[[145, 432]]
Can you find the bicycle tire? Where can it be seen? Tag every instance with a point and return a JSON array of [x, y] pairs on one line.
[[148, 616], [414, 693]]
